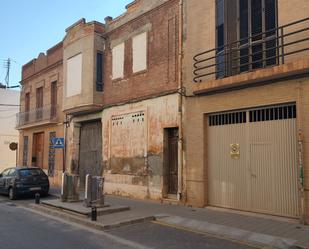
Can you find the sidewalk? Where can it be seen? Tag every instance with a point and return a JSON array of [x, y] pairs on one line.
[[256, 229]]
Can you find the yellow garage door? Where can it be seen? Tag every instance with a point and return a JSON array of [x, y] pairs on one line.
[[252, 160]]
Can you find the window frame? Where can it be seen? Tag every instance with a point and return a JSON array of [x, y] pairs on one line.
[[146, 53], [117, 77], [100, 82]]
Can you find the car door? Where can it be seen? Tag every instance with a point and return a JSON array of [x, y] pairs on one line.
[[10, 178], [3, 180]]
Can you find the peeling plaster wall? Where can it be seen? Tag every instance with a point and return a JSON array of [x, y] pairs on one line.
[[133, 146]]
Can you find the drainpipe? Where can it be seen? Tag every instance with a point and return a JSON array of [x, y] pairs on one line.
[[180, 103], [64, 150], [300, 157]]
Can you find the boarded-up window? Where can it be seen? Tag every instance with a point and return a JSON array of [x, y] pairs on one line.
[[51, 155], [25, 151], [139, 52], [118, 61], [74, 75]]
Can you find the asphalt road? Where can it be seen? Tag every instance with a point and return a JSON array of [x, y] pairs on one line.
[[22, 229]]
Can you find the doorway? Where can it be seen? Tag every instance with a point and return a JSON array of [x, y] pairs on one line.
[[90, 152], [170, 162], [38, 150]]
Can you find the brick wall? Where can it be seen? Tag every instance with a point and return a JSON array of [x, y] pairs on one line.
[[162, 54]]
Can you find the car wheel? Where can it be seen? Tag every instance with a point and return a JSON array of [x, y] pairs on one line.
[[12, 194]]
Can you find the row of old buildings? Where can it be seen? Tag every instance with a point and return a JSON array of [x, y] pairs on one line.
[[197, 102]]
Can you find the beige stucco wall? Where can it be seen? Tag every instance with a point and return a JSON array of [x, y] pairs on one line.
[[132, 155], [8, 133], [56, 179], [129, 152], [200, 32], [195, 128], [199, 36], [82, 40]]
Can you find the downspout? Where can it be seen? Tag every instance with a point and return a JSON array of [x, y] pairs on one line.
[[65, 144], [180, 105], [300, 157]]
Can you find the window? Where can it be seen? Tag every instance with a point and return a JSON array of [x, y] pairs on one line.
[[74, 75], [260, 19], [27, 106], [25, 151], [53, 101], [220, 59], [249, 19], [100, 75], [39, 103], [6, 173], [12, 172], [139, 50], [118, 61], [226, 33]]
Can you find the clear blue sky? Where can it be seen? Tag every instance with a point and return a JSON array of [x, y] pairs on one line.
[[29, 27]]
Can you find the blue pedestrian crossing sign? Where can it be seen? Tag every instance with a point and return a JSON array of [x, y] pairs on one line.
[[57, 142]]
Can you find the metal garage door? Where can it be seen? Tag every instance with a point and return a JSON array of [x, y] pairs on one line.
[[252, 160]]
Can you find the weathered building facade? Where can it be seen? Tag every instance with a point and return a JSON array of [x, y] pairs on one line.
[[127, 129], [9, 106], [246, 121], [41, 117]]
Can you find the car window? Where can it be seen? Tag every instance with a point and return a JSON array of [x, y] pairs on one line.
[[6, 172], [12, 172], [30, 172]]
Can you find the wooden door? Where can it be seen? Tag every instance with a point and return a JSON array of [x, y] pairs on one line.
[[90, 154], [172, 161], [38, 150]]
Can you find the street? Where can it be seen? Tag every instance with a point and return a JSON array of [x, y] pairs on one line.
[[23, 229]]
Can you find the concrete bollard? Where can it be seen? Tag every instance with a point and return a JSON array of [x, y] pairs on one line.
[[94, 214]]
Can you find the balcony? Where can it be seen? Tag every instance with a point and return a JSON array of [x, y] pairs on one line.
[[262, 55], [36, 117]]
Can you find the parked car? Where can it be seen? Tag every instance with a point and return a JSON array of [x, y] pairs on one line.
[[19, 181]]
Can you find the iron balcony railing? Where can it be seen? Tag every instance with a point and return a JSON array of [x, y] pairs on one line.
[[265, 49], [46, 113]]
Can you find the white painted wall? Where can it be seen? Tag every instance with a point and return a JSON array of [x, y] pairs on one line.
[[118, 61], [74, 75], [139, 52], [8, 133]]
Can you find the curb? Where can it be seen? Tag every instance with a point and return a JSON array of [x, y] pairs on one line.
[[82, 221], [229, 233], [100, 212]]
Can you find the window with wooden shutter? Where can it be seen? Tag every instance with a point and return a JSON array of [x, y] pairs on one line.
[[54, 91], [39, 103]]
